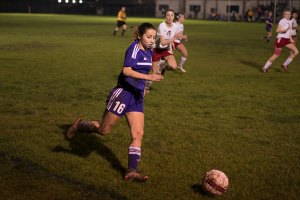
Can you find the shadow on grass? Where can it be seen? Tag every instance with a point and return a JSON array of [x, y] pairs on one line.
[[22, 172], [84, 144], [259, 66], [252, 64], [197, 188]]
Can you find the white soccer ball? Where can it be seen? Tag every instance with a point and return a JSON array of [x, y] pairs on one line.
[[215, 182]]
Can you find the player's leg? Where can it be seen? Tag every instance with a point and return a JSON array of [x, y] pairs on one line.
[[115, 31], [276, 54], [269, 35], [183, 58], [117, 28], [136, 124], [293, 54], [124, 28], [93, 126], [172, 64], [271, 60]]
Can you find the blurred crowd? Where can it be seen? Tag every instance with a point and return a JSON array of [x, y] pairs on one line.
[[255, 14]]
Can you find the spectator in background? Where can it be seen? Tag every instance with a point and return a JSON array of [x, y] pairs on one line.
[[250, 15]]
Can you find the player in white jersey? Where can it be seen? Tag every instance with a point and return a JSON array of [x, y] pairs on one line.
[[166, 35], [294, 26], [179, 20], [283, 39], [163, 58]]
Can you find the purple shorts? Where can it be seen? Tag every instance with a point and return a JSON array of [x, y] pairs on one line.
[[121, 101]]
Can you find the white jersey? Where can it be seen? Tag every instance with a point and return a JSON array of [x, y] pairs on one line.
[[286, 24], [180, 28], [295, 25], [167, 32]]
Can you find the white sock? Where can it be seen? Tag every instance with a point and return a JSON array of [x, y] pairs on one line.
[[267, 65], [287, 62], [161, 62], [182, 61]]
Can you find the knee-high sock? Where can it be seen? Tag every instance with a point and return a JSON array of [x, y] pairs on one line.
[[182, 61], [134, 154]]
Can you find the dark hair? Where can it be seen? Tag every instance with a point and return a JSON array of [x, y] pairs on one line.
[[141, 29], [177, 16], [169, 10]]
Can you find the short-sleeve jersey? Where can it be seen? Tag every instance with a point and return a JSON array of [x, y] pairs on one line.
[[295, 25], [167, 32], [140, 61], [269, 22], [121, 15], [180, 28], [285, 24]]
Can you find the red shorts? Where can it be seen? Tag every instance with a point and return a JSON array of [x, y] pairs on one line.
[[281, 42], [160, 53], [176, 44]]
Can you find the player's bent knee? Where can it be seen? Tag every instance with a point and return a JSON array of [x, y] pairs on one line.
[[173, 67], [277, 51]]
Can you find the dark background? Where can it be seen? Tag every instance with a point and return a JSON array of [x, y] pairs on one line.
[[91, 7]]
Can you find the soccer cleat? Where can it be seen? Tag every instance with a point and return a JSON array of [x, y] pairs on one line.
[[73, 130], [163, 66], [181, 69], [133, 175], [265, 70], [285, 68]]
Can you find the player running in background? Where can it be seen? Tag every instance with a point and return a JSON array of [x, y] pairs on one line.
[[166, 35], [283, 39], [127, 98], [121, 21], [163, 58], [179, 20], [269, 25], [294, 27]]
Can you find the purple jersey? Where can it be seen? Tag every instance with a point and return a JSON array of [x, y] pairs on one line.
[[268, 25], [140, 61]]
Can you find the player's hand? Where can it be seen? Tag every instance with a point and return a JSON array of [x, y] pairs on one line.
[[156, 77], [185, 37], [178, 35]]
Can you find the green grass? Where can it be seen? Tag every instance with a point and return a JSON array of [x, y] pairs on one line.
[[223, 113]]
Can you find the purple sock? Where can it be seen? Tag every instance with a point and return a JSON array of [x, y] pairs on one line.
[[134, 154]]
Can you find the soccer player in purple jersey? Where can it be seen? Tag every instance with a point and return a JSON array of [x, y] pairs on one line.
[[127, 98], [269, 25]]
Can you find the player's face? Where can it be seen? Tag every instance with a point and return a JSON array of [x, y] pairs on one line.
[[295, 15], [287, 15], [181, 19], [148, 39], [169, 17]]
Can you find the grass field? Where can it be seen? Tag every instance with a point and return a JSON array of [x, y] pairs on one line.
[[223, 113]]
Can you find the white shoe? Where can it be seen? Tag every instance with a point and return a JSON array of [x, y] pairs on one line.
[[181, 69]]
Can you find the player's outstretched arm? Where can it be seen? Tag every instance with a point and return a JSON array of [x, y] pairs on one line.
[[128, 71]]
